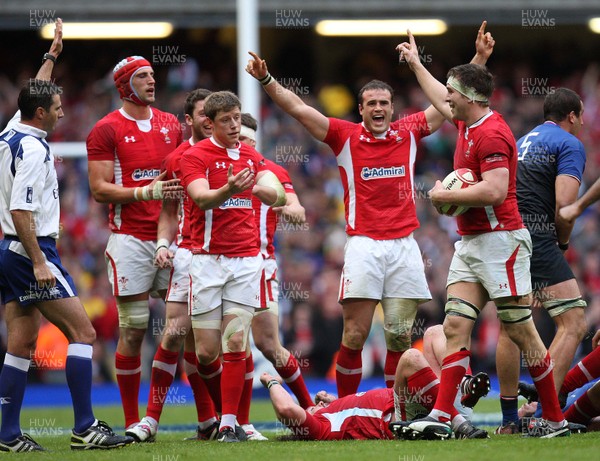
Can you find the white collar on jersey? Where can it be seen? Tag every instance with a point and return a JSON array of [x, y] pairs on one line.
[[376, 136], [233, 153], [28, 129], [144, 125], [478, 122]]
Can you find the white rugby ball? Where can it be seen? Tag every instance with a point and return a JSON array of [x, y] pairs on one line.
[[458, 179]]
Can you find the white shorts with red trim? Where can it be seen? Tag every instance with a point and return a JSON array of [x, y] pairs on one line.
[[271, 289], [497, 260], [130, 266], [179, 284], [378, 269], [215, 278]]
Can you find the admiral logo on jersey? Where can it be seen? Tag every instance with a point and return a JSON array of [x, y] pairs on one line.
[[142, 175], [236, 203], [382, 172]]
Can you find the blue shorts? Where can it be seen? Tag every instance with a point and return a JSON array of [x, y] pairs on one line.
[[573, 396], [17, 281]]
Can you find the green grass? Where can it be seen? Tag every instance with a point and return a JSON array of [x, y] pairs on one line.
[[51, 428]]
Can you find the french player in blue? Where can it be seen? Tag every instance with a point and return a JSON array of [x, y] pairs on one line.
[[33, 281], [551, 161]]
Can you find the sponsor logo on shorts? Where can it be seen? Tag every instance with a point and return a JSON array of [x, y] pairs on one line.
[[236, 203], [142, 175], [51, 293], [382, 172]]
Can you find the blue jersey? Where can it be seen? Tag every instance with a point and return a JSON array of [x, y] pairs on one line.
[[545, 152]]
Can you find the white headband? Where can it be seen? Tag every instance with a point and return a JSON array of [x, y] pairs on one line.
[[246, 132], [467, 91]]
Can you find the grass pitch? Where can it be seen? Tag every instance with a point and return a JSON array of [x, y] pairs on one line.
[[51, 428]]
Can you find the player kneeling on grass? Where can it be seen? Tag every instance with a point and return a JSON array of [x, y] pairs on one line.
[[378, 413], [579, 393]]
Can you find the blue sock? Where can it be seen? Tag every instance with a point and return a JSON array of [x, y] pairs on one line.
[[79, 379], [13, 381], [538, 412], [510, 409]]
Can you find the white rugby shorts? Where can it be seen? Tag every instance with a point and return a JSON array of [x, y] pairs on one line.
[[497, 260], [179, 284], [215, 278], [130, 266], [378, 269], [271, 288]]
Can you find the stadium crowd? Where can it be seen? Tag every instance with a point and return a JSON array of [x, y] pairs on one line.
[[310, 254]]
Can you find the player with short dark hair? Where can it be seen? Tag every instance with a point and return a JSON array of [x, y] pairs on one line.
[[382, 260], [491, 261], [551, 161], [33, 281]]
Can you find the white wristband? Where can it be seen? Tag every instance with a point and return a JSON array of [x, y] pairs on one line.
[[146, 193], [163, 243]]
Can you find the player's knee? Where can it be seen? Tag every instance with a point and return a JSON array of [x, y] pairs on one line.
[[207, 353], [22, 346], [235, 332], [134, 314], [398, 318], [434, 332], [354, 337], [412, 359]]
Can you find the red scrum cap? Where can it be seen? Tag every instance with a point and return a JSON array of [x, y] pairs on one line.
[[123, 74]]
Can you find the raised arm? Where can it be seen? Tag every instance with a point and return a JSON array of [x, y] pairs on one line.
[[435, 90], [314, 121], [45, 71], [484, 46]]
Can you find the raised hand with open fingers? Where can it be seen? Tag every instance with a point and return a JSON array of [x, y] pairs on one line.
[[240, 181]]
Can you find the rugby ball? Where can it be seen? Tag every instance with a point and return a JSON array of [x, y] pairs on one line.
[[458, 179]]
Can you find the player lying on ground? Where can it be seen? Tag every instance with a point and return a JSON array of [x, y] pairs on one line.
[[580, 391], [371, 414]]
